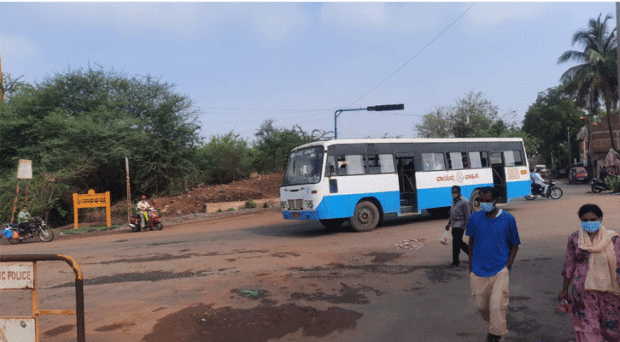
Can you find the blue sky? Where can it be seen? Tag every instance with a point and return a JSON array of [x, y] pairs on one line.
[[297, 63]]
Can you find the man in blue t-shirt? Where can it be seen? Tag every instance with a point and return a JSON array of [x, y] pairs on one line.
[[493, 244]]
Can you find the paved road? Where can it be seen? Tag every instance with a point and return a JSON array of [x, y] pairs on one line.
[[259, 278]]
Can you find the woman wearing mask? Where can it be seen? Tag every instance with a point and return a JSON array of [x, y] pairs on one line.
[[592, 266]]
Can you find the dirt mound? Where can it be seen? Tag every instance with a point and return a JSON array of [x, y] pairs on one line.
[[256, 187]]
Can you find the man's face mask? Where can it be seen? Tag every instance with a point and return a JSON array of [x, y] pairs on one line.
[[487, 207], [455, 196]]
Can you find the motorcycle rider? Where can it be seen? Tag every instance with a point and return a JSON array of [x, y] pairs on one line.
[[143, 207], [539, 184], [23, 218]]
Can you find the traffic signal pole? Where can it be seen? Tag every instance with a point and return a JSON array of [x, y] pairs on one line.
[[379, 108]]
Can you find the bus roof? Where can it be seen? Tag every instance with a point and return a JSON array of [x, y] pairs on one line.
[[405, 141]]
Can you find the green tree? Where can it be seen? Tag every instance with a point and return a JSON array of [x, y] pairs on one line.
[[224, 158], [473, 116], [272, 145], [553, 116], [93, 118], [596, 77]]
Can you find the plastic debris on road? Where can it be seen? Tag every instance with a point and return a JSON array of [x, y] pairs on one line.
[[409, 244], [250, 293]]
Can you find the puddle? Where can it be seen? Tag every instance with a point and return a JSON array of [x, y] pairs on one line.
[[265, 322], [381, 258], [285, 254], [348, 295]]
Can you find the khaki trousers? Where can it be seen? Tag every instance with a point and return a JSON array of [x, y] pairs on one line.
[[491, 297]]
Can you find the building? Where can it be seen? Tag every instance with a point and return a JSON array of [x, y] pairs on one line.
[[601, 142]]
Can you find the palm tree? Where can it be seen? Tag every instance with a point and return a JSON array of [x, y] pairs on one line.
[[596, 77]]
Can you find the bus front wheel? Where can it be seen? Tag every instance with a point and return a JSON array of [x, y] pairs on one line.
[[365, 218]]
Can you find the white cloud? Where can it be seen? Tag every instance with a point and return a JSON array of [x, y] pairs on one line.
[[276, 21], [497, 13], [391, 17], [180, 20], [16, 47], [131, 18], [19, 54]]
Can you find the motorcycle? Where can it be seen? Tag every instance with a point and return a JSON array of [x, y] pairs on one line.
[[552, 191], [16, 233], [598, 185], [154, 221]]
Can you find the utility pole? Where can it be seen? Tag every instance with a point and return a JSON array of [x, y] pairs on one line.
[[1, 84], [568, 139], [379, 108], [618, 55]]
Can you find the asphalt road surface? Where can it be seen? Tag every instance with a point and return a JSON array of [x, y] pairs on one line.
[[259, 278]]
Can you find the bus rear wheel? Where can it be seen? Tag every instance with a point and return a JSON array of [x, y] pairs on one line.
[[332, 223], [474, 201], [366, 217]]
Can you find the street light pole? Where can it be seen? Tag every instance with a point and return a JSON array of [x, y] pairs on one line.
[[568, 139], [379, 108]]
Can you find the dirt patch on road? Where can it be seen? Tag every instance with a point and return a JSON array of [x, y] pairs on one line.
[[260, 324]]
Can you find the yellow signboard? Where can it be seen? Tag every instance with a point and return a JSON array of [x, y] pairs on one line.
[[92, 200]]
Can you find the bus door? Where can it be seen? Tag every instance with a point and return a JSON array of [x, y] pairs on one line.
[[406, 179], [499, 175]]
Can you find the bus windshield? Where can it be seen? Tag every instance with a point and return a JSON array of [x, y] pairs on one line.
[[304, 166]]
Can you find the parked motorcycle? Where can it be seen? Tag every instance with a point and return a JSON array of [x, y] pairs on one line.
[[598, 185], [17, 233], [154, 221], [552, 191]]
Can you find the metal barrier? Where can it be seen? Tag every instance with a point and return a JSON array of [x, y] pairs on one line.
[[22, 274]]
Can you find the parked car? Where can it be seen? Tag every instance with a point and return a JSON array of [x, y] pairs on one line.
[[577, 174]]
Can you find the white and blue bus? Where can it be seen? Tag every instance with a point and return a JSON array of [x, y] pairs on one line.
[[362, 180]]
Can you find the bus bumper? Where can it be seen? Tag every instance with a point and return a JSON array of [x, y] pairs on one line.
[[301, 215]]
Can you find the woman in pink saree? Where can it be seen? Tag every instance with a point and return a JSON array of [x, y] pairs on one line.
[[593, 267]]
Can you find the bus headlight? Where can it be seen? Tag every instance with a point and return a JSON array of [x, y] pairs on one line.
[[309, 204]]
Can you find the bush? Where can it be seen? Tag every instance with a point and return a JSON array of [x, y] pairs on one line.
[[249, 204], [613, 182], [223, 159]]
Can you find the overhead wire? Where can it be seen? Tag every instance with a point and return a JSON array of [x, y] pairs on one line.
[[408, 61], [414, 56]]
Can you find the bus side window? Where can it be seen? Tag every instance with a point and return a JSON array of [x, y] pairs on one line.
[[386, 161], [342, 166], [331, 166], [509, 158], [517, 158], [484, 158], [475, 159], [355, 164], [433, 161], [372, 164], [496, 158], [455, 161], [464, 160]]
